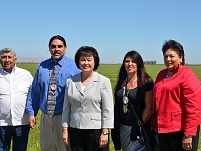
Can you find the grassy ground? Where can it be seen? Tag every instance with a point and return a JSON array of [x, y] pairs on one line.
[[109, 71]]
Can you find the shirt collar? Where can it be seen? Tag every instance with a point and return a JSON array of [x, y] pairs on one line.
[[13, 70], [60, 62]]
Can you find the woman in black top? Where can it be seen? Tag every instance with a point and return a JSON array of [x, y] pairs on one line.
[[134, 85]]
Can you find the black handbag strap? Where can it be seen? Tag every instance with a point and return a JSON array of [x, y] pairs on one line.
[[139, 122]]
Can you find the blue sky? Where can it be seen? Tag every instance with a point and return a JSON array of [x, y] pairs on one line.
[[113, 27]]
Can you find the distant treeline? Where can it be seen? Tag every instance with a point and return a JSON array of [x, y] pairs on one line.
[[150, 62]]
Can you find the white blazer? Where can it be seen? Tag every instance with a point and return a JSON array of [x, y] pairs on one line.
[[91, 107]]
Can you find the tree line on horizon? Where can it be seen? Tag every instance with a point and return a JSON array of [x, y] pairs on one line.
[[150, 62]]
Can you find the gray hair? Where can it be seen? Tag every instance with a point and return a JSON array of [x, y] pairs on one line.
[[6, 50]]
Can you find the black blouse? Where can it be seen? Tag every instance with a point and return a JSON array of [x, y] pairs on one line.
[[136, 97]]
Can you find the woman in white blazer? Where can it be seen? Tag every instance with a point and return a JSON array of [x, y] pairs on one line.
[[88, 105]]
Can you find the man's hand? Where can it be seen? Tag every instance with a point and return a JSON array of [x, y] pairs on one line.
[[66, 138], [32, 121]]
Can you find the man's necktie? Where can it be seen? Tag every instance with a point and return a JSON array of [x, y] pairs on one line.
[[52, 92]]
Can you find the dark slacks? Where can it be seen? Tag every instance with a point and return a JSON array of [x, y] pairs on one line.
[[173, 141], [86, 140], [19, 135]]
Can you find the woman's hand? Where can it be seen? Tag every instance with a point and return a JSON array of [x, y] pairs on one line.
[[66, 138], [187, 142], [103, 141]]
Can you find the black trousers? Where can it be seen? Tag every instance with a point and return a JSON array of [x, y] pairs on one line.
[[173, 141], [86, 140]]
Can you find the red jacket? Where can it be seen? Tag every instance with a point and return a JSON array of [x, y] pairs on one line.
[[178, 102]]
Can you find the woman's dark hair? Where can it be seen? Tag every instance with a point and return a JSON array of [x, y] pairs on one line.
[[87, 51], [175, 46], [59, 38], [142, 75]]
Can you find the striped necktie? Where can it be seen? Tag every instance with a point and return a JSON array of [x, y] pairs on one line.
[[52, 92]]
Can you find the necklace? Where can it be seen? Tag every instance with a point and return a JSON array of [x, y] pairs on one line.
[[131, 83], [125, 95], [169, 74], [125, 88]]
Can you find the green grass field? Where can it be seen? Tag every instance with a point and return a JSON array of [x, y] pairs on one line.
[[109, 71]]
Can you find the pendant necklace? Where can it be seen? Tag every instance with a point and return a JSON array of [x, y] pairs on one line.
[[169, 74], [125, 96]]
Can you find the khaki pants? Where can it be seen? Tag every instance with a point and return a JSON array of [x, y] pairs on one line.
[[51, 133]]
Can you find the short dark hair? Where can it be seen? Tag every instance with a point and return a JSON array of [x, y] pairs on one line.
[[59, 38], [175, 46], [87, 51]]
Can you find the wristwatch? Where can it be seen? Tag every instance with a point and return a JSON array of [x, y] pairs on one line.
[[187, 135], [105, 133]]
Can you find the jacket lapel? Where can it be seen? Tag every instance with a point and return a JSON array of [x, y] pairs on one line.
[[78, 85], [92, 81]]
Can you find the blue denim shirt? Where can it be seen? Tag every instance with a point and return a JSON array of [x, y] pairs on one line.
[[38, 93]]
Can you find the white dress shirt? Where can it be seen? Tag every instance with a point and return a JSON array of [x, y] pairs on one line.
[[14, 88]]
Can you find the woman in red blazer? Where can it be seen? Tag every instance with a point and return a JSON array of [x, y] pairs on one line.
[[177, 96]]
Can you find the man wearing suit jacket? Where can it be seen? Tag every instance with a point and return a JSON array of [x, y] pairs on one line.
[[88, 105]]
